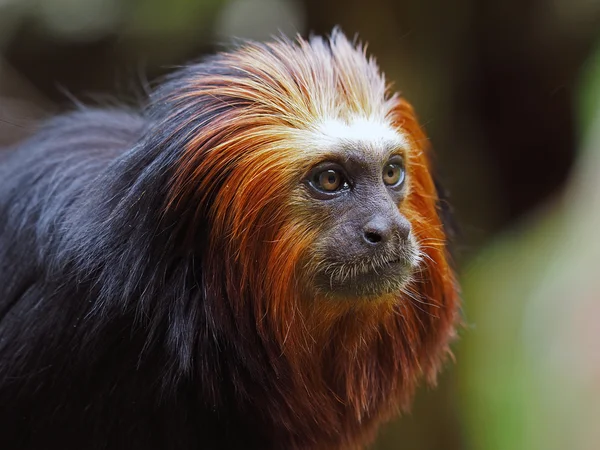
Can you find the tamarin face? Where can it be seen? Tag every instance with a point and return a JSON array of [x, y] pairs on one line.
[[354, 191]]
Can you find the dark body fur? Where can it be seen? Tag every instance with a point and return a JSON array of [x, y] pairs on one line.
[[86, 361], [123, 325]]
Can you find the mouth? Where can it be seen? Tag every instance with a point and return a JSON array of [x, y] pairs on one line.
[[394, 261], [364, 279]]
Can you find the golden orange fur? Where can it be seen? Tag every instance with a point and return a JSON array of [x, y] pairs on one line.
[[340, 368]]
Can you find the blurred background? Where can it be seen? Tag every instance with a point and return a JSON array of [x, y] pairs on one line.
[[508, 91]]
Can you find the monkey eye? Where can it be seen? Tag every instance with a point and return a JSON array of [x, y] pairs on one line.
[[328, 180], [394, 174]]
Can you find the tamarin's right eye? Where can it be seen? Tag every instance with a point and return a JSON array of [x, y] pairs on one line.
[[330, 180], [327, 180]]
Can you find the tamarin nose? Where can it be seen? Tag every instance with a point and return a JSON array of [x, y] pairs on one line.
[[377, 231], [380, 230]]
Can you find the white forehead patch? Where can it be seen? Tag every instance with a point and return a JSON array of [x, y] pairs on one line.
[[364, 130]]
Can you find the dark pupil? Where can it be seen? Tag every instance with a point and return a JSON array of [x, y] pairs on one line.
[[392, 174], [329, 180]]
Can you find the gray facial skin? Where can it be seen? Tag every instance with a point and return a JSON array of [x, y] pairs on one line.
[[367, 248]]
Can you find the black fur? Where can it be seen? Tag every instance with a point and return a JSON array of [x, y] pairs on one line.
[[106, 340], [109, 336]]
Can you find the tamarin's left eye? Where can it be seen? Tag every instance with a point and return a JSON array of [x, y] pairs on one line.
[[393, 174]]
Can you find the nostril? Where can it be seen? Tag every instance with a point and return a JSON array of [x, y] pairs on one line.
[[372, 237]]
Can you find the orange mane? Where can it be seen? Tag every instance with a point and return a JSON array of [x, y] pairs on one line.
[[335, 370]]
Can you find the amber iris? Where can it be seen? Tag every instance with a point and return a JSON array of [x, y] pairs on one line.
[[393, 174], [330, 180]]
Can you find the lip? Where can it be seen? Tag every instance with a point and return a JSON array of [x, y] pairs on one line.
[[386, 277], [386, 268], [392, 264], [394, 261]]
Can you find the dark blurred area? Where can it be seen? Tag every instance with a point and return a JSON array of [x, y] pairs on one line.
[[508, 92]]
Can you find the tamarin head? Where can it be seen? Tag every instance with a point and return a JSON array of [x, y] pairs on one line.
[[323, 246], [365, 249]]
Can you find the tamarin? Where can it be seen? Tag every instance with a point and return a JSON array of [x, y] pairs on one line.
[[255, 260]]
